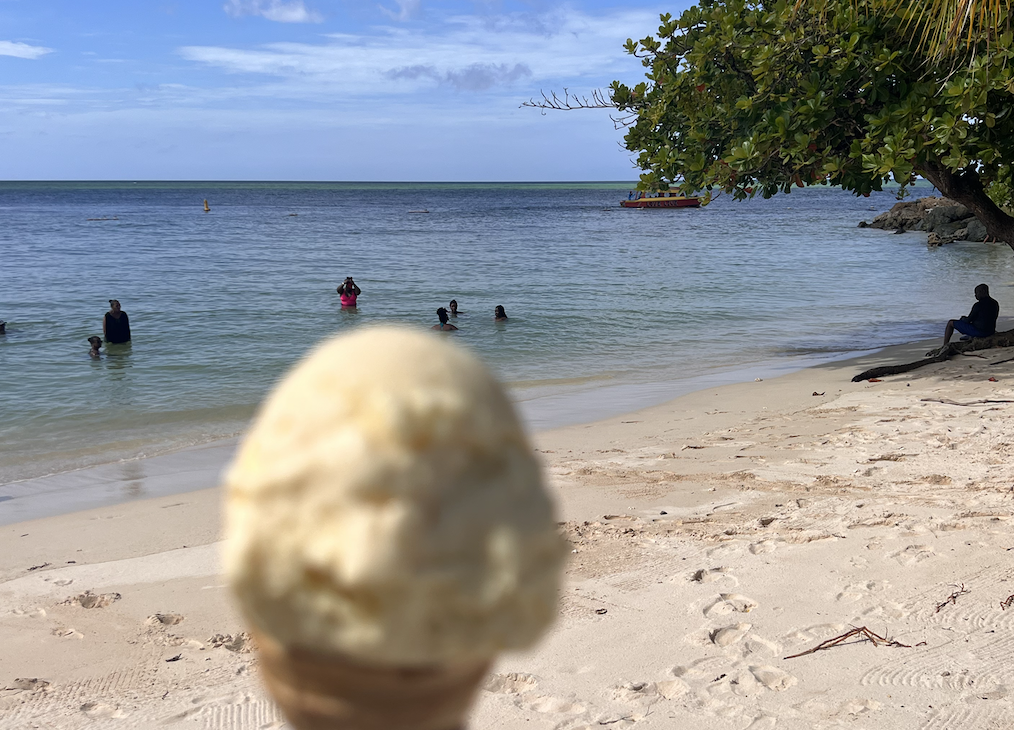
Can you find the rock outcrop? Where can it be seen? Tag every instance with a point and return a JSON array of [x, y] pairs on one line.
[[943, 219]]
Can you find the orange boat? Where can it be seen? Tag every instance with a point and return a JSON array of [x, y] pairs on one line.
[[660, 199]]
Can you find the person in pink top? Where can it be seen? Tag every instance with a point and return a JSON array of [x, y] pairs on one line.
[[348, 292]]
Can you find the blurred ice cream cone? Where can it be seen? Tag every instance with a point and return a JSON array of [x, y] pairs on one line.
[[389, 534], [330, 692]]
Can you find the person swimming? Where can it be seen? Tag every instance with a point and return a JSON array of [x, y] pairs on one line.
[[444, 326], [96, 343], [454, 308], [349, 292], [499, 315]]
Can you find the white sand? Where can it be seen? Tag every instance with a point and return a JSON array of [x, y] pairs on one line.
[[789, 518]]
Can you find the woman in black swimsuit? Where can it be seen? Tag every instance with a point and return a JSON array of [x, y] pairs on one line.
[[116, 324]]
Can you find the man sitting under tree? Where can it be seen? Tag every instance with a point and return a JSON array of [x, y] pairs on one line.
[[980, 322]]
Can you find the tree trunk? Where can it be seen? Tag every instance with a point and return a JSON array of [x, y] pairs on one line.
[[1000, 339], [966, 188]]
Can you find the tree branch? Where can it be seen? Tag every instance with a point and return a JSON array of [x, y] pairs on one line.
[[599, 100], [966, 188]]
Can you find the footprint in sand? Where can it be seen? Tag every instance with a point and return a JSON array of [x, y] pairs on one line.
[[511, 683], [772, 677], [29, 684], [997, 692], [240, 643], [606, 719], [730, 603], [729, 635], [92, 600], [670, 689], [635, 692], [66, 633], [817, 631], [702, 668], [710, 575], [555, 706], [888, 609], [725, 551], [101, 709], [743, 683], [914, 554], [764, 546], [34, 613], [763, 722], [757, 645], [164, 619], [859, 591], [859, 707]]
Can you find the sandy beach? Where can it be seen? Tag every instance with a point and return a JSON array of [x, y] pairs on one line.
[[712, 537]]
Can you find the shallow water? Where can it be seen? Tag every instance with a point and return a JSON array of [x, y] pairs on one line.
[[601, 300]]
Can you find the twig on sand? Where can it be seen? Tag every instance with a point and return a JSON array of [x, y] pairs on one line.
[[968, 354], [953, 598], [862, 634], [1008, 602], [949, 402]]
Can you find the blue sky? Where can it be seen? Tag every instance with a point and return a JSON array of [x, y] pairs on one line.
[[311, 89]]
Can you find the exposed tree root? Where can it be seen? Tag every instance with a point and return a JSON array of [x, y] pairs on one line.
[[1000, 339]]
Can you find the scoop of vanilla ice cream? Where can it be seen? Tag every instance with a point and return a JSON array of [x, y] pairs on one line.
[[387, 505]]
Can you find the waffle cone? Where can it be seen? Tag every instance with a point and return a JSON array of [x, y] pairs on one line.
[[336, 692]]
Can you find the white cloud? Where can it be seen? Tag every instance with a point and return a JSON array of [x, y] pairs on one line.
[[477, 77], [22, 50], [294, 11], [467, 53], [406, 9]]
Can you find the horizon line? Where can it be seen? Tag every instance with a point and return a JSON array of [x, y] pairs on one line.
[[358, 182]]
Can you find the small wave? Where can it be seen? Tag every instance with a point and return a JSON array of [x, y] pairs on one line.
[[551, 382]]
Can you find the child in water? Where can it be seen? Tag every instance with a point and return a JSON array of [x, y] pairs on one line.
[[96, 343]]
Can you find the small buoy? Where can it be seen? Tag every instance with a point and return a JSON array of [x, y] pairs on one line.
[[207, 209]]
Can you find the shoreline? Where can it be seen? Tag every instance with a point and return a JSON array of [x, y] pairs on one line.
[[712, 536], [197, 467]]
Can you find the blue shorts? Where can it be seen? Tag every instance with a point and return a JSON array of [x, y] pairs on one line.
[[966, 329]]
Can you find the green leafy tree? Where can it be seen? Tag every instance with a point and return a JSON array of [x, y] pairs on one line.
[[753, 98]]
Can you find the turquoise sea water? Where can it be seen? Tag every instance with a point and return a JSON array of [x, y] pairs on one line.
[[599, 298]]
